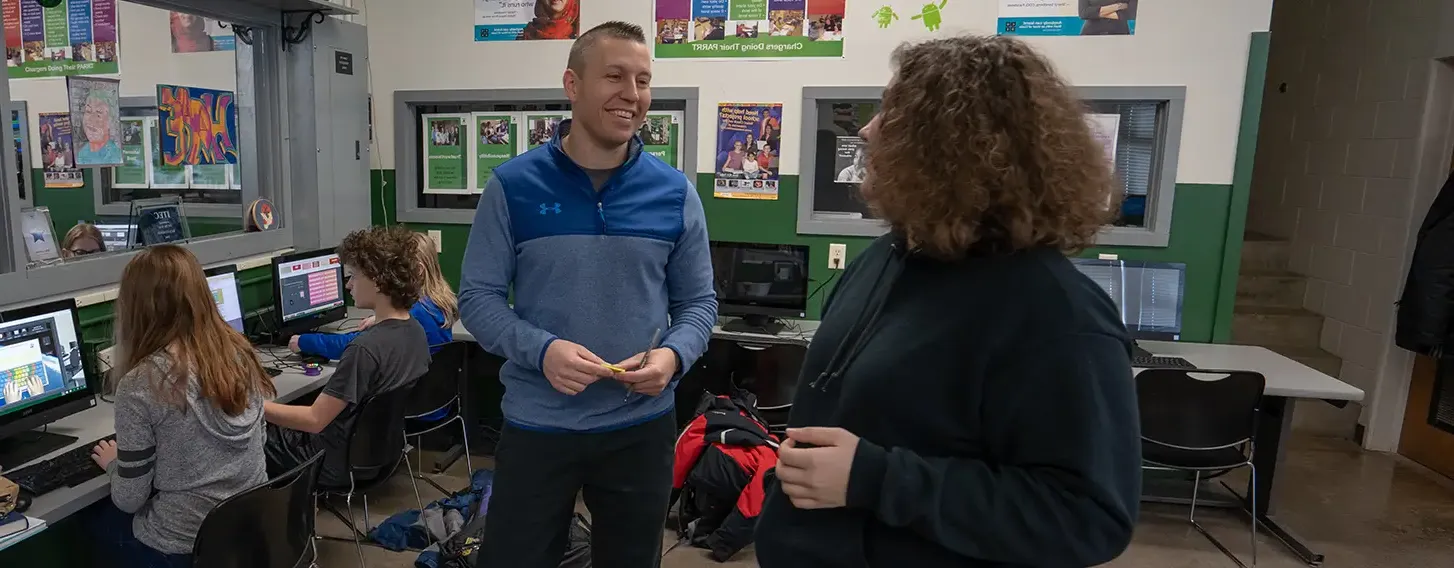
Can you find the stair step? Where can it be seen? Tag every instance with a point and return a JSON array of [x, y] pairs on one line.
[[1270, 326], [1321, 361], [1262, 252], [1271, 288]]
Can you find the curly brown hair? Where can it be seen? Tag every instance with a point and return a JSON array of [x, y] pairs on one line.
[[390, 258], [981, 148]]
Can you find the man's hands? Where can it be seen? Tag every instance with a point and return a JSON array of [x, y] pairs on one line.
[[660, 367], [571, 368], [813, 466], [1109, 11]]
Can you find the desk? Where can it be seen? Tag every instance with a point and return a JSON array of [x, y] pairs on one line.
[[100, 422]]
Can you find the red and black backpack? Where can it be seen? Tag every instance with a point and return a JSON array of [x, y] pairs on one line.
[[717, 478]]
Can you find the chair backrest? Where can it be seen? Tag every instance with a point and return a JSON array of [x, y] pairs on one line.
[[377, 439], [441, 385], [1198, 409], [268, 526]]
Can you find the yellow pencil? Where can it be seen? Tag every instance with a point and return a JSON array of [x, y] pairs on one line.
[[613, 368]]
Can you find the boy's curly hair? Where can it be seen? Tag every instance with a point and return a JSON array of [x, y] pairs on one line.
[[390, 258]]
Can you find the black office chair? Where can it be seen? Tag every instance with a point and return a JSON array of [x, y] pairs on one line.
[[376, 446], [268, 526], [1201, 426], [437, 401]]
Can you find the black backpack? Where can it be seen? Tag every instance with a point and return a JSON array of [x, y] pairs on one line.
[[462, 550]]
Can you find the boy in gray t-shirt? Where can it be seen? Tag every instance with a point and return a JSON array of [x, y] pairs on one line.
[[385, 277]]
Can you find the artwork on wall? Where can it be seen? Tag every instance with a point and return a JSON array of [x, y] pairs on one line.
[[766, 29], [445, 167], [57, 151], [194, 34], [76, 37], [494, 144], [95, 103], [747, 159], [1067, 17], [514, 20], [198, 126]]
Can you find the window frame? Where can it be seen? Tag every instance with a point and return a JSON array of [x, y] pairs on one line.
[[1160, 194], [101, 181], [407, 144]]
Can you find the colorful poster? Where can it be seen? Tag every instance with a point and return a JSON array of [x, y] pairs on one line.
[[511, 20], [132, 173], [163, 176], [494, 144], [746, 163], [195, 34], [77, 37], [198, 126], [445, 167], [1106, 128], [540, 128], [96, 103], [57, 153], [749, 28], [661, 136], [1067, 17]]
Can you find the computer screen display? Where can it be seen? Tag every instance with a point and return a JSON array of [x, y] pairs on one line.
[[763, 279], [1148, 294], [117, 236], [40, 360], [160, 224], [223, 285], [309, 286]]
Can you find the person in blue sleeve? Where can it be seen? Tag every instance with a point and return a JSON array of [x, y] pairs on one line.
[[605, 250], [436, 310]]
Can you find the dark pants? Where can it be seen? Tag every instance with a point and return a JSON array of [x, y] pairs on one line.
[[287, 449], [624, 476], [117, 547]]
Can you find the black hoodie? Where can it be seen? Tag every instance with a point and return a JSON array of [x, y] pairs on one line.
[[997, 416]]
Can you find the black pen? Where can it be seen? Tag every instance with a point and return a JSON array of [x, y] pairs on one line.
[[645, 355]]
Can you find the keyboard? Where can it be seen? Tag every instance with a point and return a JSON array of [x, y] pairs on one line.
[[1155, 362], [272, 371], [66, 470]]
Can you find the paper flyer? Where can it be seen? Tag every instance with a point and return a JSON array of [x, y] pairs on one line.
[[767, 29], [194, 34], [661, 136], [445, 167], [539, 128], [515, 20], [747, 160], [1106, 128], [494, 144], [207, 177], [163, 176], [78, 37], [57, 152], [132, 173], [1067, 17], [850, 160]]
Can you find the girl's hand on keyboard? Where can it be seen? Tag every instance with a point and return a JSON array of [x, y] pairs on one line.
[[104, 453]]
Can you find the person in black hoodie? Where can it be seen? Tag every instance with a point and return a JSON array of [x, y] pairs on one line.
[[967, 399]]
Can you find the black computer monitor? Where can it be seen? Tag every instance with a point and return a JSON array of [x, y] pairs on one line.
[[222, 281], [43, 378], [117, 236], [759, 283], [308, 291], [1148, 294]]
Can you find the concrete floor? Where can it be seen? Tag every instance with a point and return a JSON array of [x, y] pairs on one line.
[[1360, 509]]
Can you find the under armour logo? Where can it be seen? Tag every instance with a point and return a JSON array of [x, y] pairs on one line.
[[550, 208]]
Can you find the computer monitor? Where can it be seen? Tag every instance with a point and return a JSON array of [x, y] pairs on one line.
[[308, 291], [1148, 294], [222, 281], [117, 236], [760, 282], [160, 224], [43, 378]]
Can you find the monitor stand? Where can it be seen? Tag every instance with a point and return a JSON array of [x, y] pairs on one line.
[[765, 325], [27, 446]]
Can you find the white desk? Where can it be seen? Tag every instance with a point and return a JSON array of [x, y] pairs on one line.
[[100, 422], [1285, 377]]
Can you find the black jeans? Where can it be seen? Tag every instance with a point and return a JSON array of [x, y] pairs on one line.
[[624, 476], [117, 546]]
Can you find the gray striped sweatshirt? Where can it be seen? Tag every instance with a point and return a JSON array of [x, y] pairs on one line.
[[175, 464]]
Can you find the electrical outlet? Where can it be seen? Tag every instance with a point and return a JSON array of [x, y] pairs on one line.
[[438, 239], [837, 255]]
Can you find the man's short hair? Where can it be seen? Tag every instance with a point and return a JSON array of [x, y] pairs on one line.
[[390, 258], [612, 29]]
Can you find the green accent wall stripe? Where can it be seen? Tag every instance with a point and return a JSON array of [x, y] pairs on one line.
[[1241, 184]]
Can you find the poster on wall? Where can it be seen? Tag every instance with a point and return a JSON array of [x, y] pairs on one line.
[[512, 20], [163, 176], [133, 171], [746, 163], [850, 160], [77, 37], [96, 104], [57, 152], [1067, 17], [767, 29], [445, 167], [194, 34], [661, 136], [1106, 128], [539, 128], [198, 126], [494, 144]]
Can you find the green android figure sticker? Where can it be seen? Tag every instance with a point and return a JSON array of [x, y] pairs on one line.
[[931, 16], [885, 16]]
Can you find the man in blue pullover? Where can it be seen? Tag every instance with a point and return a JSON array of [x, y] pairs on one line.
[[605, 249]]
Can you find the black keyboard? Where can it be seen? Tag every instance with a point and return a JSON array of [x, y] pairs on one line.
[[66, 470], [272, 371], [1155, 362]]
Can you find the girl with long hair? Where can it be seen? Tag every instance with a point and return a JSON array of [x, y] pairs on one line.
[[189, 412]]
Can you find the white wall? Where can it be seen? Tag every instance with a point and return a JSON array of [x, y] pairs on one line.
[[424, 45], [146, 60]]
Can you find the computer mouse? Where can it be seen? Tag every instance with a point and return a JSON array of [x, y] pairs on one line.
[[22, 501]]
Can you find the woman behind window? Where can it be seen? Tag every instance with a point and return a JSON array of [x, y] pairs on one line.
[[967, 399], [81, 240], [189, 412]]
